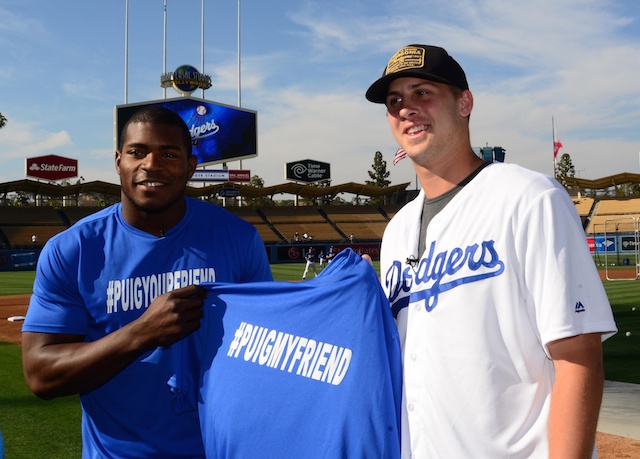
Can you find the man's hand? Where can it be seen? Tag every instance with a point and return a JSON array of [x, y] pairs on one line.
[[172, 316]]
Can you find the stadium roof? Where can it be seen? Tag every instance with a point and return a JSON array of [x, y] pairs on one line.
[[604, 182], [247, 191]]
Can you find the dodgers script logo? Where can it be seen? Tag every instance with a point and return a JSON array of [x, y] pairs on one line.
[[441, 272]]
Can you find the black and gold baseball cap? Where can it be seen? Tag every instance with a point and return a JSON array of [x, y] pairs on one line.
[[420, 61]]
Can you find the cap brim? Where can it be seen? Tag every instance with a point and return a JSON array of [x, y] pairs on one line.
[[377, 92]]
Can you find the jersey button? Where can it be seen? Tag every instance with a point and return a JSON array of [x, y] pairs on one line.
[[410, 406], [414, 357]]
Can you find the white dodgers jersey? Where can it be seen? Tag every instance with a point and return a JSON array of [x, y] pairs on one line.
[[506, 271]]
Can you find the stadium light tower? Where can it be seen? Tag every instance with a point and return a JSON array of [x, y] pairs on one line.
[[126, 51]]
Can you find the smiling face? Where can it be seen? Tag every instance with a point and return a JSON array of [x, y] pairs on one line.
[[428, 119], [154, 168]]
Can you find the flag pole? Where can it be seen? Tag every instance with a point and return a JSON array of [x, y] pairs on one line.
[[202, 43], [164, 48], [553, 144], [126, 51]]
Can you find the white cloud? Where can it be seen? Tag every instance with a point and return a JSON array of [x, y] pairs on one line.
[[18, 140]]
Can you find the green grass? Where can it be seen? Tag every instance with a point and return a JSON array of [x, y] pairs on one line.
[[16, 282], [621, 352], [33, 428]]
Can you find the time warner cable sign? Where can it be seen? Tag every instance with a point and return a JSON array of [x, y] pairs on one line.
[[307, 171], [219, 133]]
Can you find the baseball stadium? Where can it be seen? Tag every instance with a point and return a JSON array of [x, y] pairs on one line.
[[131, 314], [610, 223]]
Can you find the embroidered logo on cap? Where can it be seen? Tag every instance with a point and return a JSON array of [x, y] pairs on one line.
[[409, 57]]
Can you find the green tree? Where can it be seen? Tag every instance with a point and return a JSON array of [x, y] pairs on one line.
[[261, 201], [378, 176], [3, 120], [565, 168], [320, 200], [628, 190]]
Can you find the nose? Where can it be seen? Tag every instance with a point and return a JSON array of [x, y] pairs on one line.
[[151, 161], [408, 109]]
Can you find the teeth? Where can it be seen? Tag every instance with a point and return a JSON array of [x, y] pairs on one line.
[[152, 184], [415, 129]]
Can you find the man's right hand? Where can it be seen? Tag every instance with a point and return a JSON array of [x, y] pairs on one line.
[[172, 316]]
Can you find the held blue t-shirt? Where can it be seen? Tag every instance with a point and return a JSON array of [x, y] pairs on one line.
[[284, 369]]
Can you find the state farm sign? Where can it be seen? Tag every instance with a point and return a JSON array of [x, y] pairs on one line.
[[52, 167]]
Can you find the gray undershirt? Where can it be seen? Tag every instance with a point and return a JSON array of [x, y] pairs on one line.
[[432, 207]]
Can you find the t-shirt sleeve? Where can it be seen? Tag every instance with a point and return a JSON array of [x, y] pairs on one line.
[[56, 306]]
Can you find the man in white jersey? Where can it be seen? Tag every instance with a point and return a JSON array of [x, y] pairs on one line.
[[499, 306]]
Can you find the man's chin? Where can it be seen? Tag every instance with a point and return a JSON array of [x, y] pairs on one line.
[[153, 208]]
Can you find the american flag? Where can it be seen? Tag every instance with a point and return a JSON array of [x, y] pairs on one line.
[[400, 154]]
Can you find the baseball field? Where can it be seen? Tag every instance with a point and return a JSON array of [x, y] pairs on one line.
[[33, 428]]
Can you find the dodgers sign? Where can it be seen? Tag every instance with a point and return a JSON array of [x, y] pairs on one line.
[[219, 133]]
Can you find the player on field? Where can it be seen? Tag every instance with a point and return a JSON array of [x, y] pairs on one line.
[[499, 306], [121, 283], [310, 258]]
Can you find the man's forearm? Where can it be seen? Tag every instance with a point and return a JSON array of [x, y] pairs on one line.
[[576, 398]]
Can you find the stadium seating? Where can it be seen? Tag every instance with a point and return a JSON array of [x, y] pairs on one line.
[[326, 224], [614, 216]]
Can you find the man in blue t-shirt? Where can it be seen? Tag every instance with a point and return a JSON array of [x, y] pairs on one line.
[[123, 282]]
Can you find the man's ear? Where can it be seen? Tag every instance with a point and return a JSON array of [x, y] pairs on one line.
[[118, 155], [193, 163], [466, 103]]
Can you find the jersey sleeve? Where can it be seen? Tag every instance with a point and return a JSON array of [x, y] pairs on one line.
[[564, 291]]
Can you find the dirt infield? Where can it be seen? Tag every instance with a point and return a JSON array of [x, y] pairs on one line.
[[609, 446], [14, 305], [628, 273]]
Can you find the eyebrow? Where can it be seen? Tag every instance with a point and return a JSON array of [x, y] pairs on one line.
[[145, 146], [414, 86]]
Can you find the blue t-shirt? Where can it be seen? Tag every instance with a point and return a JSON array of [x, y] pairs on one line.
[[292, 370], [101, 274]]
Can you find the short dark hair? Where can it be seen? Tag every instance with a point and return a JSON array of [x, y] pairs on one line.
[[159, 115]]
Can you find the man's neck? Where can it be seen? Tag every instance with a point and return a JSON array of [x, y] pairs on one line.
[[443, 177], [155, 223]]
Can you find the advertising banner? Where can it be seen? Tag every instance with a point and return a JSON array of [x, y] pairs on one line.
[[605, 244], [18, 260], [307, 171], [629, 244], [222, 175], [52, 167], [219, 133]]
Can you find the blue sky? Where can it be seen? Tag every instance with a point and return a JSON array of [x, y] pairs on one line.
[[306, 66]]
